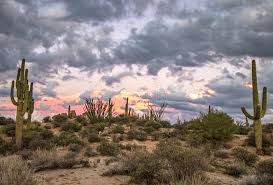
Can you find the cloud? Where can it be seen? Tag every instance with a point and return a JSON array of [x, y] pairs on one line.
[[110, 80]]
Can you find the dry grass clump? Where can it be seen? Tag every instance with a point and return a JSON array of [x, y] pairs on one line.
[[15, 171]]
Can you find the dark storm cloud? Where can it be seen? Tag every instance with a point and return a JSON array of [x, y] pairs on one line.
[[111, 79]]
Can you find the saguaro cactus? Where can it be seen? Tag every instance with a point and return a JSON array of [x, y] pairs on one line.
[[258, 111], [110, 108], [24, 103], [127, 107]]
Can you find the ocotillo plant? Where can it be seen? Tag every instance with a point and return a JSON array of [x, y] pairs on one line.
[[258, 111], [127, 107], [24, 103]]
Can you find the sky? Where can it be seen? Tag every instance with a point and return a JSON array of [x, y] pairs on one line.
[[189, 54]]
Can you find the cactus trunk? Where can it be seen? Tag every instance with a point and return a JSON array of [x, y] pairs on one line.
[[19, 126]]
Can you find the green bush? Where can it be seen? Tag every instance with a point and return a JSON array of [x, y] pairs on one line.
[[93, 138], [108, 149], [235, 170], [37, 137], [74, 127], [66, 138], [47, 119], [154, 124], [214, 126], [137, 134], [119, 129], [265, 172], [59, 119], [6, 147], [9, 130], [245, 156]]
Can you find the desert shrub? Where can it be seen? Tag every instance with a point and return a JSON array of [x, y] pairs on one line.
[[15, 171], [82, 120], [74, 147], [137, 134], [93, 138], [47, 119], [6, 121], [74, 127], [165, 124], [196, 139], [89, 152], [242, 130], [196, 179], [268, 128], [50, 159], [9, 130], [249, 180], [215, 126], [169, 162], [121, 119], [119, 129], [66, 138], [267, 141], [154, 124], [129, 147], [36, 137], [140, 122], [59, 119], [6, 147], [108, 149], [221, 154], [149, 129], [245, 156], [265, 172], [235, 170]]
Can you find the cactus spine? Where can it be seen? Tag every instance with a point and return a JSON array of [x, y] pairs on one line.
[[127, 107], [24, 103], [258, 111]]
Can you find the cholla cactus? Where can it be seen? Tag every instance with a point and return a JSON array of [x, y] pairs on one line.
[[258, 111], [24, 103]]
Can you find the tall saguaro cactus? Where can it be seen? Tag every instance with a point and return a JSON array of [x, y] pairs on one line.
[[127, 107], [24, 103], [258, 111]]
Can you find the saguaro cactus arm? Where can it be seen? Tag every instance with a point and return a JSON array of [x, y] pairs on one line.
[[246, 113], [264, 102], [14, 102]]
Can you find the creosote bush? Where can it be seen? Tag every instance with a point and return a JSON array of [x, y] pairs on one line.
[[245, 156]]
